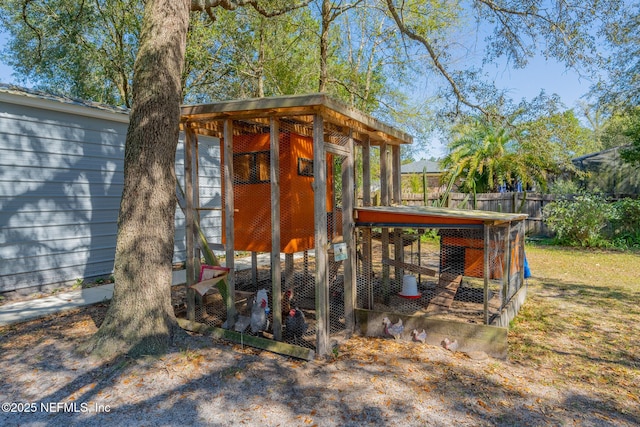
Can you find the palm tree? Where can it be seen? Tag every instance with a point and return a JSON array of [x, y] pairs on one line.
[[483, 155]]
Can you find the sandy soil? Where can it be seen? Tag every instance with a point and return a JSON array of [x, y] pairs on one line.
[[205, 382]]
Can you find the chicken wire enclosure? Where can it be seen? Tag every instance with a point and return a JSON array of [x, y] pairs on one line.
[[287, 180], [444, 261]]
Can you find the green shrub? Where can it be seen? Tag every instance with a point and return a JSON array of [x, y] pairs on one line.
[[564, 187], [625, 223], [582, 221]]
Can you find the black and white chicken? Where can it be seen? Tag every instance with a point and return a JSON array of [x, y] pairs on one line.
[[295, 325]]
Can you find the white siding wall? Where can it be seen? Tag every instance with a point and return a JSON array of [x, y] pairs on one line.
[[61, 177]]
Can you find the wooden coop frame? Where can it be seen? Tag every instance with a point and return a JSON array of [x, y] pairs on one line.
[[480, 256], [322, 114]]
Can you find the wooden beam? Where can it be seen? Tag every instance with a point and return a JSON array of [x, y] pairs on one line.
[[487, 273], [276, 273], [320, 220], [249, 340], [385, 198], [410, 267], [395, 173], [337, 149], [396, 198], [317, 104], [348, 230], [385, 184], [367, 259], [254, 269], [189, 222], [229, 221], [366, 173]]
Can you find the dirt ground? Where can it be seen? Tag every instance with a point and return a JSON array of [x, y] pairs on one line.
[[206, 382]]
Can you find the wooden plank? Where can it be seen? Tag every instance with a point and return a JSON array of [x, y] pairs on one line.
[[445, 292], [487, 273], [203, 286], [229, 219], [367, 258], [243, 339], [366, 173], [189, 222], [396, 176], [254, 269], [291, 105], [410, 267], [320, 235], [337, 149], [276, 274], [348, 230], [385, 174], [471, 337]]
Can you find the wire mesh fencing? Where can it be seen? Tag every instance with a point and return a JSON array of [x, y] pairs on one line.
[[439, 272]]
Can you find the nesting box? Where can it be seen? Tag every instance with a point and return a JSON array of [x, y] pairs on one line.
[[462, 252]]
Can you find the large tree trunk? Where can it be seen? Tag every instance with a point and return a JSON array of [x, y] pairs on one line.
[[140, 319]]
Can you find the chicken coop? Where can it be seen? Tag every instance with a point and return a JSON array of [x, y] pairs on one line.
[[290, 169], [287, 174], [467, 270]]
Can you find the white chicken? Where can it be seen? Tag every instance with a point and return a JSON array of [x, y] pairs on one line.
[[259, 320], [393, 329], [450, 345], [419, 336]]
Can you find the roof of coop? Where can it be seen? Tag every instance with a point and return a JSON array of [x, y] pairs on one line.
[[252, 115], [427, 216]]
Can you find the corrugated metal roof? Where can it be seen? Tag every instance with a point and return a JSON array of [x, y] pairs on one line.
[[418, 167], [33, 94]]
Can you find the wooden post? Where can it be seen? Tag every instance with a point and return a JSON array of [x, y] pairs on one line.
[[198, 249], [397, 199], [366, 173], [254, 269], [320, 219], [385, 183], [384, 196], [275, 228], [425, 189], [348, 230], [305, 263], [396, 173], [229, 222], [506, 268], [487, 273], [288, 271], [190, 228], [366, 261]]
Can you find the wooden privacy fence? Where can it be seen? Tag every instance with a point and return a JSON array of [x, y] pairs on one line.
[[529, 203]]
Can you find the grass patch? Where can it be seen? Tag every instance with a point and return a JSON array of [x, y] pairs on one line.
[[580, 322]]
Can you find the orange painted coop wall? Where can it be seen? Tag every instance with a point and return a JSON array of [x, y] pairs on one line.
[[252, 202], [454, 247]]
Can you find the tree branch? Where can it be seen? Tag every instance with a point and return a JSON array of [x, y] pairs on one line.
[[208, 6], [434, 57]]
